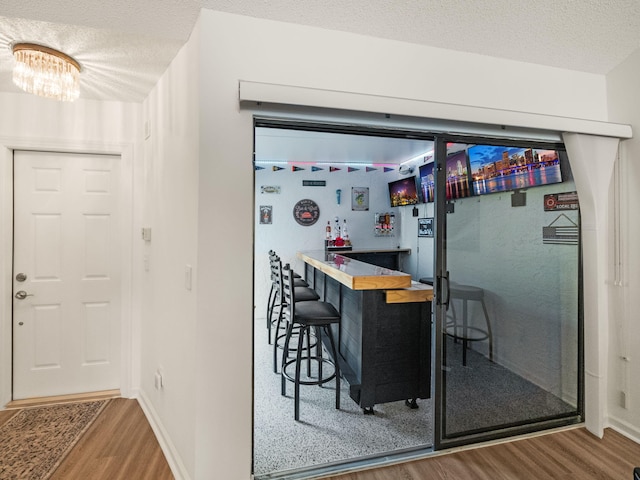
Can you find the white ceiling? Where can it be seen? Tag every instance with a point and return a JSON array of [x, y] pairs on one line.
[[125, 45], [275, 145]]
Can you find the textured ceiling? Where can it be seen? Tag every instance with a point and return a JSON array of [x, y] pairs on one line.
[[125, 45]]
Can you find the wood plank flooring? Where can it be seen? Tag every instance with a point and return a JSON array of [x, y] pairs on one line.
[[120, 445], [568, 455]]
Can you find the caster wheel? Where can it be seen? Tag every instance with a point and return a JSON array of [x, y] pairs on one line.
[[411, 403]]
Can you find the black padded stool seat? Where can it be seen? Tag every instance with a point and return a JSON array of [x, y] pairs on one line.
[[318, 316], [464, 332], [426, 280]]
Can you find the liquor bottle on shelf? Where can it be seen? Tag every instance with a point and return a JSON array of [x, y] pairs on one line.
[[345, 233], [328, 231]]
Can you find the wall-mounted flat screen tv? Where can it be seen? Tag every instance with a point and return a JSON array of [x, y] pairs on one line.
[[403, 192], [458, 183], [500, 169], [427, 182]]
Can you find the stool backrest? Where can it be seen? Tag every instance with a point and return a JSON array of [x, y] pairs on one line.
[[288, 290], [276, 274]]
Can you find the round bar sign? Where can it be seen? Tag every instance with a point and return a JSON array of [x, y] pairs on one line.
[[306, 212]]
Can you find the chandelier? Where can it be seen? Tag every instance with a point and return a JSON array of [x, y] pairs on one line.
[[46, 72]]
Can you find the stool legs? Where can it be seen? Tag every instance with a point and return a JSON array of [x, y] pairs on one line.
[[306, 330], [269, 306], [465, 335], [486, 316]]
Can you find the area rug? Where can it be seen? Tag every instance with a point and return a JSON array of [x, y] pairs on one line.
[[35, 440]]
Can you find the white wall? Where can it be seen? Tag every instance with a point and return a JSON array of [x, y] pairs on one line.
[[286, 236], [168, 180], [531, 288], [235, 48], [624, 287], [30, 122]]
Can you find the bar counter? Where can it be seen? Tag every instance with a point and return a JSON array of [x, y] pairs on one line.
[[384, 335]]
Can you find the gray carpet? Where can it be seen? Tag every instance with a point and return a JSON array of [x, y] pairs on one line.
[[326, 435]]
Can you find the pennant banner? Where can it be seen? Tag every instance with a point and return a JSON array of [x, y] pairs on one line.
[[371, 169], [388, 169], [333, 169], [275, 169], [351, 169], [315, 169], [258, 168], [296, 169]]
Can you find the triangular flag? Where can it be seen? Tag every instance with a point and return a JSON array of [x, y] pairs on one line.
[[259, 168], [351, 169], [275, 169], [388, 169], [295, 169], [315, 169], [333, 169], [370, 169]]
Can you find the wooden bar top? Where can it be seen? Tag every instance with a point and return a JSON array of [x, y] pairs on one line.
[[417, 292], [354, 274]]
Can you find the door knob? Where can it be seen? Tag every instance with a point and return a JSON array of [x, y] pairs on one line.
[[21, 277], [21, 295]]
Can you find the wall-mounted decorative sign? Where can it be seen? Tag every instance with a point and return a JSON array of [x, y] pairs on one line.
[[425, 227], [561, 201], [314, 183], [306, 212], [567, 234], [360, 198], [270, 189], [266, 212]]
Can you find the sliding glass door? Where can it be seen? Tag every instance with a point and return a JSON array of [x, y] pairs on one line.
[[507, 277]]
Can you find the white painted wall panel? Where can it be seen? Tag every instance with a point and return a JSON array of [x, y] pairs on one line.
[[624, 285], [263, 51]]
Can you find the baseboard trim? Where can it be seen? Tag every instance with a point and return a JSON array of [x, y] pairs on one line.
[[624, 428], [171, 454], [57, 399]]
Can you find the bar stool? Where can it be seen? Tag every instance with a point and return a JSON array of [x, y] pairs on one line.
[[316, 315], [302, 294], [274, 300], [464, 332]]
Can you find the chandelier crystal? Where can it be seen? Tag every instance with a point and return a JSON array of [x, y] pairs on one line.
[[46, 72]]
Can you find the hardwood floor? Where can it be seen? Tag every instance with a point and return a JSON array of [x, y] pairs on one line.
[[568, 455], [120, 445]]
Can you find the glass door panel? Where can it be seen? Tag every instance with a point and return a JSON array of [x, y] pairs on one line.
[[508, 290]]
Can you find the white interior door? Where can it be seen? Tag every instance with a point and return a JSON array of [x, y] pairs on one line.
[[66, 279]]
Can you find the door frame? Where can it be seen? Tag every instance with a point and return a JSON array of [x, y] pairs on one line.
[[129, 351], [442, 300]]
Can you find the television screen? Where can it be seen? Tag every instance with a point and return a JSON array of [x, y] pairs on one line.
[[427, 182], [458, 184], [500, 169], [403, 192]]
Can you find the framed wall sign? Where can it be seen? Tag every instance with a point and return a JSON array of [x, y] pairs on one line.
[[359, 198], [266, 212], [306, 212], [425, 227]]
